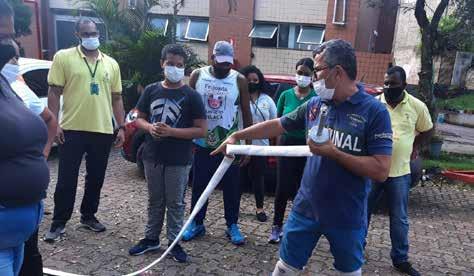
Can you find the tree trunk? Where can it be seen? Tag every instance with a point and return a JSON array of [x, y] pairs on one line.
[[426, 74]]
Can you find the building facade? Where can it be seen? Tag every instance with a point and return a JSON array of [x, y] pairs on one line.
[[271, 34]]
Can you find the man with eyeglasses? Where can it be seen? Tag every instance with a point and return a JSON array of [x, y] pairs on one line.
[[332, 199], [90, 85]]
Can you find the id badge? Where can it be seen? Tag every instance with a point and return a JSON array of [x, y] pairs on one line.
[[94, 88]]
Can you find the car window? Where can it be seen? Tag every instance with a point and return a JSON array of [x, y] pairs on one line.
[[281, 88], [37, 80]]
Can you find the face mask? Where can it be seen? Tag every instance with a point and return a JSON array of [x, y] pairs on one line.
[[174, 74], [322, 91], [220, 73], [392, 94], [11, 72], [253, 87], [303, 81], [90, 43]]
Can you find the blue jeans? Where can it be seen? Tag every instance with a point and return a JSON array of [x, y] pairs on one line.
[[397, 189], [301, 235], [204, 167], [17, 225]]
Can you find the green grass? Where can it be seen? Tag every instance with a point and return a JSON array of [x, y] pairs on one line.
[[451, 161], [464, 102]]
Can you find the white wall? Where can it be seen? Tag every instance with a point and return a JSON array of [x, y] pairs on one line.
[[191, 8], [294, 11], [406, 41], [278, 61]]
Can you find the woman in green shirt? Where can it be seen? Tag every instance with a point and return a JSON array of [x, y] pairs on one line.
[[290, 169]]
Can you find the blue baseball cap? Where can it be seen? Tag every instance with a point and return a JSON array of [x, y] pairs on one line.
[[223, 52]]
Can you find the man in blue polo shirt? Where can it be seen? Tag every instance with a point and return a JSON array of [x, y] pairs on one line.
[[332, 199]]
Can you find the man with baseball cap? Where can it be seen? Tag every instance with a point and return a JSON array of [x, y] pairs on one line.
[[224, 92]]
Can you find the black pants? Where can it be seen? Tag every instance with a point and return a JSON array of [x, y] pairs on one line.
[[255, 172], [96, 146], [32, 262], [289, 173], [204, 167]]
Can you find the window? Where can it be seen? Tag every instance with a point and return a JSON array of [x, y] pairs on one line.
[[263, 31], [160, 24], [65, 31], [339, 14], [286, 35], [197, 30], [310, 35]]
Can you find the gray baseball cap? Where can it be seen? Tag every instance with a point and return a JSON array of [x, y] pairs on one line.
[[223, 52]]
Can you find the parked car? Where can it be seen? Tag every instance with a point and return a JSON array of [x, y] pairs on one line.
[[35, 75], [275, 85]]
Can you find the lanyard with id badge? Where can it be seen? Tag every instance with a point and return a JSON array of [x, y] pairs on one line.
[[94, 87]]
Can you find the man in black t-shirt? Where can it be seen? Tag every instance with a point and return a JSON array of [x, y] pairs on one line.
[[172, 114]]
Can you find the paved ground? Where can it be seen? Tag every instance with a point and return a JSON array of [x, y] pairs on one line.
[[441, 234]]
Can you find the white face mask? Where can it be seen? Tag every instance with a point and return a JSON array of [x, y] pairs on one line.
[[90, 43], [174, 74], [303, 81], [11, 72], [323, 92]]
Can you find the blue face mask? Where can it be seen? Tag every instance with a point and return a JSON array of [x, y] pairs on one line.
[[90, 43]]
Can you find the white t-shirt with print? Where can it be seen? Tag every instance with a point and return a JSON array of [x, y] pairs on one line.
[[263, 109]]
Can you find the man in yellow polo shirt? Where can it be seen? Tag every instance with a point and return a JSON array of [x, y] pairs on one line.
[[90, 85], [411, 123]]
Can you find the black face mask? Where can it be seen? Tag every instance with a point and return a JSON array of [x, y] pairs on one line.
[[253, 87], [220, 73], [393, 94]]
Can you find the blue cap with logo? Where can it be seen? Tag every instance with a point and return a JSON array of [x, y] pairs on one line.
[[223, 52]]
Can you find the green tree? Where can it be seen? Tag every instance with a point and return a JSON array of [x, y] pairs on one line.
[[22, 17]]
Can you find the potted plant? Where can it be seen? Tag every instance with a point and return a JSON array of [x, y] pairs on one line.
[[435, 146]]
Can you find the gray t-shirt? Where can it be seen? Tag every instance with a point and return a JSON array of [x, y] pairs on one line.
[[177, 108]]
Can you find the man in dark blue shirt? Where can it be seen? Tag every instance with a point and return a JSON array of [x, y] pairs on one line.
[[332, 199]]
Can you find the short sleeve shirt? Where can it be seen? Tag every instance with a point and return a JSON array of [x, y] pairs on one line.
[[287, 103], [329, 193], [85, 108], [263, 109], [409, 118], [177, 108]]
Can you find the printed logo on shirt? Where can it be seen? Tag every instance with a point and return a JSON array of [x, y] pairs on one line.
[[166, 111], [215, 102], [346, 142], [313, 113], [356, 120], [383, 136]]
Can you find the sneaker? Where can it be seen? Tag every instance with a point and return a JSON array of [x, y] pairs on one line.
[[262, 217], [144, 246], [194, 230], [276, 234], [233, 232], [93, 224], [178, 254], [54, 233], [406, 268]]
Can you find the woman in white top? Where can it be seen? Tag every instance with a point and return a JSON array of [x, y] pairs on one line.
[[263, 108]]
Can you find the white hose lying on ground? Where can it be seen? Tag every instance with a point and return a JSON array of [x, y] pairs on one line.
[[287, 151]]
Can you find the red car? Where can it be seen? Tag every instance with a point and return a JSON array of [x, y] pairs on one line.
[[275, 85]]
